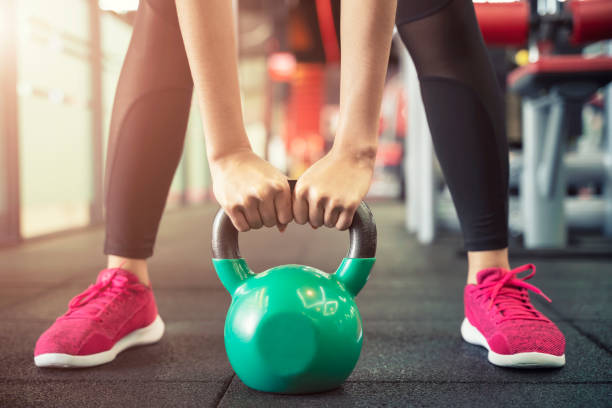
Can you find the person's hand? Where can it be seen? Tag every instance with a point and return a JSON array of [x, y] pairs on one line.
[[330, 191], [251, 191]]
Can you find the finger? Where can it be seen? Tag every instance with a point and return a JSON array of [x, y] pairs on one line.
[[316, 211], [238, 219], [281, 227], [267, 211], [332, 213], [282, 204], [300, 208], [345, 219], [251, 212]]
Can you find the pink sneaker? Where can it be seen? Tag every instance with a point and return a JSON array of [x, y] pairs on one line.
[[116, 313], [500, 317]]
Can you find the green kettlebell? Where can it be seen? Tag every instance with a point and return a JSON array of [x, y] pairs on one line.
[[294, 329]]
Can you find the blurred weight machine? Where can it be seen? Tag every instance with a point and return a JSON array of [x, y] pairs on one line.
[[554, 86]]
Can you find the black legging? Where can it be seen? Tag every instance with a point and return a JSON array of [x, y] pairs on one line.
[[465, 113], [461, 96]]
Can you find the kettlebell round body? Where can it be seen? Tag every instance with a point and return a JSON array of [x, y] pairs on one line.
[[293, 329]]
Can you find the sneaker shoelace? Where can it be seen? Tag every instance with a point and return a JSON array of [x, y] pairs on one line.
[[90, 303], [510, 294]]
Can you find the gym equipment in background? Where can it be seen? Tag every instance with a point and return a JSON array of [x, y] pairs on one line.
[[294, 329], [550, 86]]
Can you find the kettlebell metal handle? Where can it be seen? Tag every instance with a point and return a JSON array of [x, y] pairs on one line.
[[362, 234], [353, 272]]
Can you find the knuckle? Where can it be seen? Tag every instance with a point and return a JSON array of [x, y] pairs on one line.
[[233, 208], [257, 195], [314, 194], [316, 200], [301, 193], [335, 204], [249, 202], [277, 187], [322, 197], [342, 226], [265, 193], [352, 207], [254, 193]]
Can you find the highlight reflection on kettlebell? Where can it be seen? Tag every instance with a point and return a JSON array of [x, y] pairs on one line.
[[294, 328], [250, 315], [315, 298]]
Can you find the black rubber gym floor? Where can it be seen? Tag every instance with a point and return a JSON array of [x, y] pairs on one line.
[[412, 308]]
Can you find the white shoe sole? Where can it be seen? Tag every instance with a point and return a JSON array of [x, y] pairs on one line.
[[147, 335], [519, 360]]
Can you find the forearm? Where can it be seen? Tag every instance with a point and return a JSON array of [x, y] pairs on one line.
[[208, 35], [366, 28]]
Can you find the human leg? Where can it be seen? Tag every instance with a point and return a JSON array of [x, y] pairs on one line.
[[146, 138], [464, 109]]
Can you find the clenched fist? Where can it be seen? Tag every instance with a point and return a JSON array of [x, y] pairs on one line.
[[252, 192]]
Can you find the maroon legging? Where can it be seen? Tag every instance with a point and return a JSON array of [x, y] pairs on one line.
[[461, 96], [147, 130]]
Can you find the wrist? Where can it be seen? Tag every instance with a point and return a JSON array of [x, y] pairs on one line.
[[359, 141], [216, 156], [362, 138], [359, 152]]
